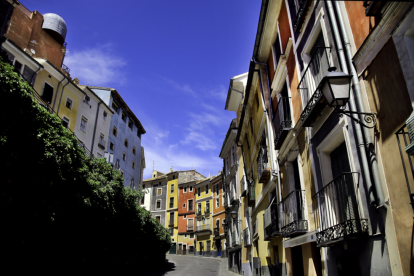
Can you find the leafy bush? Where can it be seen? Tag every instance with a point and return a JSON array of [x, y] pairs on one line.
[[59, 208]]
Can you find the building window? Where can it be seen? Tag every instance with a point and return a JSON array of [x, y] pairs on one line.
[[101, 143], [134, 151], [207, 189], [83, 124], [185, 216], [158, 204], [68, 103], [190, 205], [18, 66], [173, 176], [130, 124], [191, 188], [185, 235], [171, 202], [105, 115], [191, 237], [158, 218], [115, 131], [98, 155], [123, 117], [183, 205], [172, 188], [185, 189], [87, 100], [124, 156], [111, 146], [126, 143], [65, 121], [47, 94], [115, 107], [133, 165], [198, 191], [217, 189], [159, 191], [217, 202], [122, 173]]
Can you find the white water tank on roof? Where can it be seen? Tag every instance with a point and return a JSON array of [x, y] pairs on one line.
[[55, 26]]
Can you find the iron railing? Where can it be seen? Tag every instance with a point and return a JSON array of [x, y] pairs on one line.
[[255, 228], [311, 78], [207, 210], [298, 13], [251, 194], [293, 214], [198, 212], [48, 108], [336, 209], [65, 68], [234, 238], [282, 121], [243, 186], [203, 227], [171, 222], [402, 133], [263, 170], [273, 227], [247, 237]]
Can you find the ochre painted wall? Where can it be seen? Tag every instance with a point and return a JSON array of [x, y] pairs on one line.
[[293, 85], [361, 25]]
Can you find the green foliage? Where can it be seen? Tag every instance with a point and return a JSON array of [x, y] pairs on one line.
[[58, 206]]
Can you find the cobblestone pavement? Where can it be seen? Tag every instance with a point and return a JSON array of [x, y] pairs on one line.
[[192, 265]]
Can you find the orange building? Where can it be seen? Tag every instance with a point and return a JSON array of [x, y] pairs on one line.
[[186, 218], [218, 215]]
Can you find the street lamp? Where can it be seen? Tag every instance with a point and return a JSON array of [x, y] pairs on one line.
[[335, 87]]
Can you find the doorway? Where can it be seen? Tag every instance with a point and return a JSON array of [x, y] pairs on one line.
[[297, 261]]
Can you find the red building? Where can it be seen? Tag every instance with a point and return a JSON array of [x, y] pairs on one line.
[[186, 218]]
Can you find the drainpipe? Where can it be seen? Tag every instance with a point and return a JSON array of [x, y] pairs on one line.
[[94, 128], [57, 89], [355, 103], [61, 94]]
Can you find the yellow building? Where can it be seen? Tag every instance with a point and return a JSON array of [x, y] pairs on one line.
[[204, 224], [172, 205]]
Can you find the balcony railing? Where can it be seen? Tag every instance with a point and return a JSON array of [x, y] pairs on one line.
[[204, 227], [190, 228], [263, 169], [293, 212], [243, 186], [216, 231], [255, 228], [308, 85], [271, 221], [65, 68], [207, 210], [298, 9], [235, 238], [171, 222], [336, 210], [247, 237], [198, 212], [282, 121], [251, 195]]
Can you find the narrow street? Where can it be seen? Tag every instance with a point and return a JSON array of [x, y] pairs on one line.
[[189, 265]]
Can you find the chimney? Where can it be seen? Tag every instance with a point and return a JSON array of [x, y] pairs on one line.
[[76, 81]]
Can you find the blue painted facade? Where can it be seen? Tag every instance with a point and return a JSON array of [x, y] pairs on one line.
[[123, 132]]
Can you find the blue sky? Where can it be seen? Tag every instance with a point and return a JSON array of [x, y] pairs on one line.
[[171, 61]]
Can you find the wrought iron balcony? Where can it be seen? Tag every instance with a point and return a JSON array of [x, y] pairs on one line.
[[309, 86], [282, 121], [255, 229], [247, 237], [235, 238], [337, 213], [207, 210], [298, 10], [65, 68], [198, 212], [271, 222], [243, 186], [216, 231], [293, 214], [251, 195], [263, 168], [204, 227], [171, 222]]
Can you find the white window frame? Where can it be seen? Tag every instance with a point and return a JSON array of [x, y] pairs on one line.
[[185, 217], [184, 205], [68, 120], [83, 119], [160, 200], [71, 104], [191, 234], [194, 226], [159, 189], [188, 201], [217, 202], [172, 189], [170, 202], [191, 188]]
